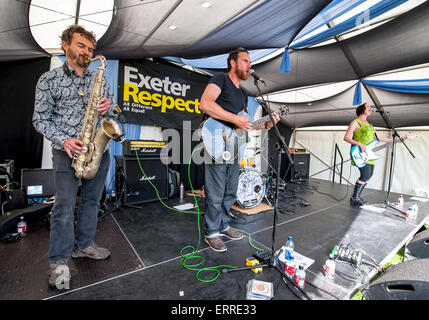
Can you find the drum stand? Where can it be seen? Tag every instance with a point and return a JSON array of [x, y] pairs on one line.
[[273, 261]]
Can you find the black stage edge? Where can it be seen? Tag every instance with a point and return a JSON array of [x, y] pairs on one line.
[[145, 260]]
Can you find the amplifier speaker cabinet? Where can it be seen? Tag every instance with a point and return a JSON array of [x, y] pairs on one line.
[[299, 171], [137, 188]]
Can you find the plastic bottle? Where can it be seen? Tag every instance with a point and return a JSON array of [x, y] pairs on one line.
[[300, 276], [415, 208], [22, 227], [411, 214], [289, 248], [330, 267], [181, 190], [290, 267], [401, 201]]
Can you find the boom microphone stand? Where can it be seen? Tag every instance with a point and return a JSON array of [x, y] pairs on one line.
[[274, 261], [386, 118]]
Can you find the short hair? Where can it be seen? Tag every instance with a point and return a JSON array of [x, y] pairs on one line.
[[67, 34], [360, 109], [233, 55]]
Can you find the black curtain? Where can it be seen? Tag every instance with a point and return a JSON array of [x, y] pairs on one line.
[[19, 140], [196, 172]]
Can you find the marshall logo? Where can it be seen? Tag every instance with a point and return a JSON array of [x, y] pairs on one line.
[[147, 178], [145, 150]]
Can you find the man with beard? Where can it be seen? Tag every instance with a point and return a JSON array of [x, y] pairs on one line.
[[223, 99], [62, 96]]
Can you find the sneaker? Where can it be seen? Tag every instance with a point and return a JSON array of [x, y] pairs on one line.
[[59, 275], [93, 252], [216, 243], [232, 234]]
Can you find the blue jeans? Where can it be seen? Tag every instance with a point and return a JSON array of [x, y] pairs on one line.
[[62, 235], [221, 182]]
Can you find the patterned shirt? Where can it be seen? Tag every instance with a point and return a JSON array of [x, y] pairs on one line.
[[61, 101]]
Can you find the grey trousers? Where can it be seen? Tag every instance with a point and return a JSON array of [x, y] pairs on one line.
[[221, 182]]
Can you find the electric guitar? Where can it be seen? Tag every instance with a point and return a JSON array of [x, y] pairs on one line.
[[222, 140], [360, 158]]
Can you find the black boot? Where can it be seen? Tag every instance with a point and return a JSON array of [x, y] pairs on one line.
[[356, 200]]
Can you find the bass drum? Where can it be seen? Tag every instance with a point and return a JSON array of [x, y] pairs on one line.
[[251, 189]]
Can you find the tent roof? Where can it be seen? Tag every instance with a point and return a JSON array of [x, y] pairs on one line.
[[144, 28], [403, 110], [401, 42], [16, 40]]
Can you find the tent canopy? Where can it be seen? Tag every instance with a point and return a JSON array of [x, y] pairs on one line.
[[195, 29]]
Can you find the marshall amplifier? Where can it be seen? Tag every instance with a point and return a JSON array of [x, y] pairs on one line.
[[144, 148], [138, 187]]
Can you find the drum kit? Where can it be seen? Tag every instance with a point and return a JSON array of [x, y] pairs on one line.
[[251, 185]]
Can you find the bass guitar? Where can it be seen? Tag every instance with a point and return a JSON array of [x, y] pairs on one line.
[[360, 158], [222, 140]]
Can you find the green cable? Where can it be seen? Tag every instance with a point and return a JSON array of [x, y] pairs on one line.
[[191, 255]]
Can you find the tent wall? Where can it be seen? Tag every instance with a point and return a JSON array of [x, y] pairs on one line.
[[408, 174]]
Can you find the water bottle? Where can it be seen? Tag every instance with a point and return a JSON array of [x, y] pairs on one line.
[[289, 248], [22, 227], [330, 267], [411, 214], [290, 267], [182, 191], [401, 201], [300, 276], [415, 208]]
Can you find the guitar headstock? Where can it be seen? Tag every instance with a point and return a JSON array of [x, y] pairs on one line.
[[284, 110]]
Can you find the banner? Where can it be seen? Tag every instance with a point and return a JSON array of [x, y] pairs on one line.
[[157, 93]]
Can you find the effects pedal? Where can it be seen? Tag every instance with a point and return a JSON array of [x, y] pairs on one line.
[[262, 256], [348, 254], [253, 262]]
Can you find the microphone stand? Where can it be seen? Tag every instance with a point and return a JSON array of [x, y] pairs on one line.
[[394, 136], [274, 261]]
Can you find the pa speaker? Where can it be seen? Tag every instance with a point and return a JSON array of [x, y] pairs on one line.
[[299, 171], [419, 245], [408, 280], [138, 187]]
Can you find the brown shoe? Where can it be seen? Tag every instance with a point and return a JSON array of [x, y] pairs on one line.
[[216, 243], [232, 234]]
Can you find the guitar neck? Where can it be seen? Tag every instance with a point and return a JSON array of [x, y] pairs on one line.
[[384, 145], [260, 121]]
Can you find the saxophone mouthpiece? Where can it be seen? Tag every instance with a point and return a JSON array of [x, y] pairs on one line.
[[87, 60]]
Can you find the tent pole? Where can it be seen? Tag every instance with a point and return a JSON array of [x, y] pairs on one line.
[[76, 18]]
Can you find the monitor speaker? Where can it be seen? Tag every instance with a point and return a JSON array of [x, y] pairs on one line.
[[408, 280], [137, 187], [299, 171], [419, 245]]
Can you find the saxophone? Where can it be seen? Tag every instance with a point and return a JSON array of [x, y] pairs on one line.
[[94, 141]]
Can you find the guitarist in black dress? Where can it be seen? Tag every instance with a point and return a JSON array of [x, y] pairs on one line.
[[223, 99], [360, 132]]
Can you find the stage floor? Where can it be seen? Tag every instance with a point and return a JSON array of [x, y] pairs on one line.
[[146, 250]]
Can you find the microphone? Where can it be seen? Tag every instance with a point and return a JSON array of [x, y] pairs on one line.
[[254, 75]]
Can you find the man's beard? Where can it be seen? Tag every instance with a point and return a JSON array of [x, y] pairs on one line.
[[80, 60], [242, 74]]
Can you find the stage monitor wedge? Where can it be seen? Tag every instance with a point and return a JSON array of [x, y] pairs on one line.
[[408, 280]]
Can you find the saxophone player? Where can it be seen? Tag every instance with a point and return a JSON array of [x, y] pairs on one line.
[[62, 96]]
